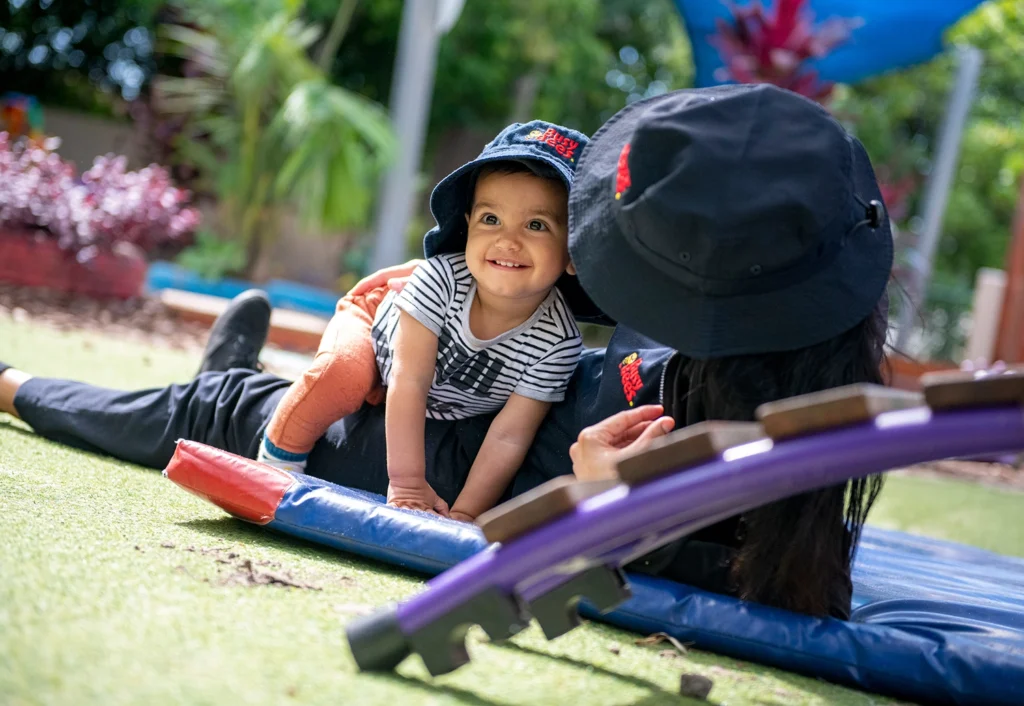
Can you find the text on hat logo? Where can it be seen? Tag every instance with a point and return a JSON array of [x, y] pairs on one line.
[[562, 144]]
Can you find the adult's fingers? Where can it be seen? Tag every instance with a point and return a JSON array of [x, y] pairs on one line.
[[397, 284], [631, 435], [657, 428], [382, 277], [441, 507], [618, 424]]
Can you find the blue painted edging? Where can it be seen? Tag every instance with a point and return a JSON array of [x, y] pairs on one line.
[[283, 294]]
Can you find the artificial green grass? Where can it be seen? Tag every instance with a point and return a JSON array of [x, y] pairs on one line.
[[979, 515], [116, 587]]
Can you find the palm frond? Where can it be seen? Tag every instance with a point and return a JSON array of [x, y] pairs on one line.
[[265, 121], [202, 48], [192, 95]]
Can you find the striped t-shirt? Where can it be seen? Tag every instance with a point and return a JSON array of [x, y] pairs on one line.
[[472, 377]]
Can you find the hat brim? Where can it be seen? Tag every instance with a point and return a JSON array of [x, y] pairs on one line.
[[633, 292], [448, 202]]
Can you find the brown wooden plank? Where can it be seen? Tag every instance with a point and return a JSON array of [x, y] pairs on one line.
[[838, 407], [685, 448], [956, 389], [291, 330], [538, 506]]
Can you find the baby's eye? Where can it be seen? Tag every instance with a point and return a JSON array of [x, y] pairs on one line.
[[537, 225], [489, 219]]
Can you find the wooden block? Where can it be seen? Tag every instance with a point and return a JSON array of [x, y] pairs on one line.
[[685, 448], [955, 389], [291, 330], [838, 407], [539, 506]]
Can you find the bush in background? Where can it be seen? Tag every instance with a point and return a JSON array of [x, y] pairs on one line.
[[106, 208]]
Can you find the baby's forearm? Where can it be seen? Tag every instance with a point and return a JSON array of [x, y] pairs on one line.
[[492, 471], [404, 422]]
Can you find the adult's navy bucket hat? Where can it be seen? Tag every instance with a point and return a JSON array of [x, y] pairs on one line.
[[730, 220]]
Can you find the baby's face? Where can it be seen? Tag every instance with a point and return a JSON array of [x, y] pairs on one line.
[[518, 235]]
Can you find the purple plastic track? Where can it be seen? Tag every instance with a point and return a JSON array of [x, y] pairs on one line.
[[623, 523]]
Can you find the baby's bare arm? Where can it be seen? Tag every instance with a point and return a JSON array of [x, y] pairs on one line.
[[412, 372], [504, 448]]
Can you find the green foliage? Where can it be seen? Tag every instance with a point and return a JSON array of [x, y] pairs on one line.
[[898, 117], [213, 257], [584, 58], [266, 126], [570, 48], [574, 62], [79, 53]]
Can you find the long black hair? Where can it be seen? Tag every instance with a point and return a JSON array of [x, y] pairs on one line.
[[796, 553]]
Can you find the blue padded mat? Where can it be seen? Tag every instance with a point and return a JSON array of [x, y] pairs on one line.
[[933, 621]]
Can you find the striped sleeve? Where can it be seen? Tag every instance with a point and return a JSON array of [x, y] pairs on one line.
[[428, 293], [547, 379]]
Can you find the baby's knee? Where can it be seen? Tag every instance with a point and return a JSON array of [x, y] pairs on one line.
[[346, 366]]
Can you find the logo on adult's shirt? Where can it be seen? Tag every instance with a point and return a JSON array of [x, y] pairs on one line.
[[629, 372], [562, 144]]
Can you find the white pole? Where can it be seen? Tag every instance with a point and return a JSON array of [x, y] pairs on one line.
[[423, 24], [940, 181]]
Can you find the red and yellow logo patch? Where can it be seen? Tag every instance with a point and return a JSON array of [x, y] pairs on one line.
[[629, 372], [562, 144]]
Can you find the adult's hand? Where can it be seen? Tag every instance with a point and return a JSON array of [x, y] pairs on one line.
[[394, 277], [596, 454]]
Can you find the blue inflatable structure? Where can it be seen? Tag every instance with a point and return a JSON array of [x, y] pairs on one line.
[[282, 293], [886, 36]]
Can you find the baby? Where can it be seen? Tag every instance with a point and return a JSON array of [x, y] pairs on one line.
[[480, 327]]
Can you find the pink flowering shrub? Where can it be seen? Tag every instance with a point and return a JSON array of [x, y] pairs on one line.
[[106, 207], [762, 45]]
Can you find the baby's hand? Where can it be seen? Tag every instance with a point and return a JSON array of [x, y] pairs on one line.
[[416, 495], [461, 516]]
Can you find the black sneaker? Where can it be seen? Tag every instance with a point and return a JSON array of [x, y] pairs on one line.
[[238, 334]]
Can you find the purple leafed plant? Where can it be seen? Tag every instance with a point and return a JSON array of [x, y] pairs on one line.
[[761, 46], [105, 208]]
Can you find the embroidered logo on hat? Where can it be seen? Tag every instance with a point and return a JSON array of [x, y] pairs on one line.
[[565, 146], [629, 372], [622, 178]]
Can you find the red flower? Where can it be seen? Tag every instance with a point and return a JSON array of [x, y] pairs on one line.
[[759, 47]]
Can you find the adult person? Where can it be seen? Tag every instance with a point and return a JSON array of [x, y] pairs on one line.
[[741, 227]]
